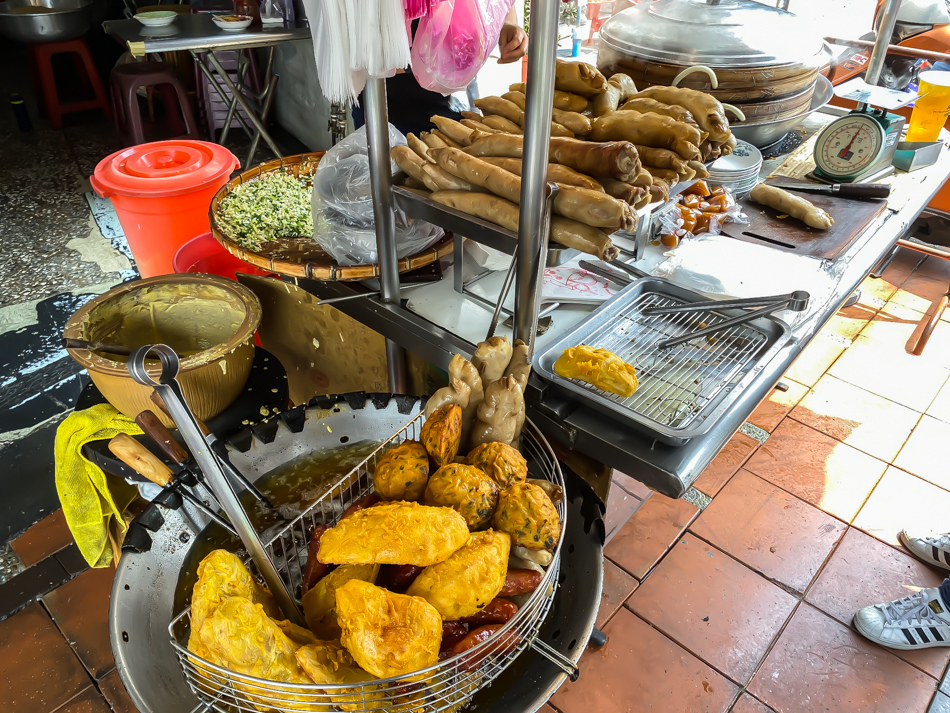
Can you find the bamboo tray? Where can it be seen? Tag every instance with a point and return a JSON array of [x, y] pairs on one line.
[[303, 257]]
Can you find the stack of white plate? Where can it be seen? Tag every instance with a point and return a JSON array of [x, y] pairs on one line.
[[739, 170]]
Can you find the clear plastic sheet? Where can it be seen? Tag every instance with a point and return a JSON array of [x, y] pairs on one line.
[[342, 204]]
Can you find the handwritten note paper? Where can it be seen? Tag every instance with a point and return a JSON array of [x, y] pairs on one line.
[[574, 284]]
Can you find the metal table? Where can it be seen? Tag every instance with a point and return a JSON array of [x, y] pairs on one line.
[[671, 470], [200, 37]]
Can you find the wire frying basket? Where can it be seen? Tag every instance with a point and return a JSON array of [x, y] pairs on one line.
[[446, 685]]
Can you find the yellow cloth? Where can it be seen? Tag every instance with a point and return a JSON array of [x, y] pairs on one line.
[[90, 498]]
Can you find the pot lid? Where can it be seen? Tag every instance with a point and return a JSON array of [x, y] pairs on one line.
[[163, 168], [727, 33]]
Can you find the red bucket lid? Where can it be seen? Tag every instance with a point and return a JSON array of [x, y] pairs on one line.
[[163, 168]]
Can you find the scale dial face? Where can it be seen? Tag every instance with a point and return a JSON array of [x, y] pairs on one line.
[[849, 146]]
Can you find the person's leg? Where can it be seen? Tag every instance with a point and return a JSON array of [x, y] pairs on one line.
[[918, 621]]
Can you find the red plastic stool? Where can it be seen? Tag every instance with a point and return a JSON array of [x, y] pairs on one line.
[[127, 79], [42, 60]]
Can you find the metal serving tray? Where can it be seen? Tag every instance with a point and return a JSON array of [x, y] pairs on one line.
[[683, 390]]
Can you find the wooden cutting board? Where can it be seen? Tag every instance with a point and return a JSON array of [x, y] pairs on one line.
[[851, 218]]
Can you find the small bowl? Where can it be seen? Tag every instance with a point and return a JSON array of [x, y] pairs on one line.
[[156, 18], [232, 23]]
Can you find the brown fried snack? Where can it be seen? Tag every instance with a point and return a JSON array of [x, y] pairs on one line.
[[319, 604], [465, 489], [442, 433], [402, 472], [500, 462], [527, 514]]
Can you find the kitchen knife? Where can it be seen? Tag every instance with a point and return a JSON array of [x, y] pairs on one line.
[[859, 191]]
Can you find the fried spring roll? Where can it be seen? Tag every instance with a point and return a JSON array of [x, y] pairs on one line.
[[572, 121], [624, 83], [700, 168], [478, 126], [501, 107], [643, 178], [432, 141], [625, 192], [646, 105], [795, 206], [705, 108], [459, 134], [607, 102], [565, 101], [419, 146], [661, 158], [497, 210], [579, 78], [654, 130], [502, 124], [556, 172]]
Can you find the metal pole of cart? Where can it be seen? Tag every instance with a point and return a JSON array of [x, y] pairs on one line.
[[885, 28], [539, 99], [380, 173]]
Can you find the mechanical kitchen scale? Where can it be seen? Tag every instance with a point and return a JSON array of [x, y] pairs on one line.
[[858, 146]]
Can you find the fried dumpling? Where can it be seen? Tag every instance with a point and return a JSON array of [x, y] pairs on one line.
[[501, 415], [464, 584], [442, 433], [319, 604], [500, 462], [387, 634], [402, 472], [328, 662], [599, 367], [465, 489], [491, 358], [527, 514], [462, 374], [394, 533]]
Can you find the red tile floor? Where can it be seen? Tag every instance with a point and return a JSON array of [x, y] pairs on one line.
[[744, 606]]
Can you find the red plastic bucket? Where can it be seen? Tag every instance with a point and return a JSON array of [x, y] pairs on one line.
[[161, 192], [206, 255]]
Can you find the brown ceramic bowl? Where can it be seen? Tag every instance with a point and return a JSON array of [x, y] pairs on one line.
[[209, 321]]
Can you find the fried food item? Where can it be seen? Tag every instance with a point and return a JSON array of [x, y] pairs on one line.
[[569, 233], [662, 158], [457, 392], [432, 141], [327, 662], [556, 172], [607, 102], [387, 634], [478, 127], [599, 367], [500, 462], [612, 159], [491, 358], [431, 176], [648, 129], [502, 125], [454, 130], [579, 78], [705, 108], [565, 101], [593, 208], [319, 604], [462, 374], [624, 83], [441, 434], [467, 581], [519, 366], [401, 473], [467, 490], [527, 514], [646, 105], [501, 107], [446, 140], [795, 206], [419, 146], [665, 174], [395, 533], [501, 415], [626, 192], [574, 122]]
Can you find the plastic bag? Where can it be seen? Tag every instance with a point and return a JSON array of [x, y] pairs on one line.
[[342, 205], [698, 210], [454, 40]]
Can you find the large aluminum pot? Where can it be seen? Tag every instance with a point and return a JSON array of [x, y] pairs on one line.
[[45, 20]]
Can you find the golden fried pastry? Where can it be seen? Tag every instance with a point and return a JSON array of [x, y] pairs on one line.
[[500, 462], [468, 580], [599, 367], [328, 662], [402, 472], [462, 373], [519, 366], [491, 358], [319, 604], [297, 634], [441, 435], [387, 634], [501, 415], [527, 514], [465, 489], [395, 533], [795, 206]]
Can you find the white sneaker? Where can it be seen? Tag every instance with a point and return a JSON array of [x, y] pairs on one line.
[[933, 549], [919, 621]]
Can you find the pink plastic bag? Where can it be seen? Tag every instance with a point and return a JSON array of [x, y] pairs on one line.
[[454, 40]]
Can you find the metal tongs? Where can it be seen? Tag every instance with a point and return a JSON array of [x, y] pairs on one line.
[[204, 454], [796, 301]]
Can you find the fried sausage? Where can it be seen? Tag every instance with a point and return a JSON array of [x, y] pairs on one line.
[[581, 204], [795, 206], [397, 577], [315, 569], [556, 172], [501, 107], [452, 633], [646, 105], [367, 501], [607, 102], [419, 146], [705, 108], [648, 130], [616, 159], [497, 611], [502, 124], [625, 84], [520, 581], [497, 210], [661, 158], [459, 134], [565, 101], [625, 192], [579, 78]]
